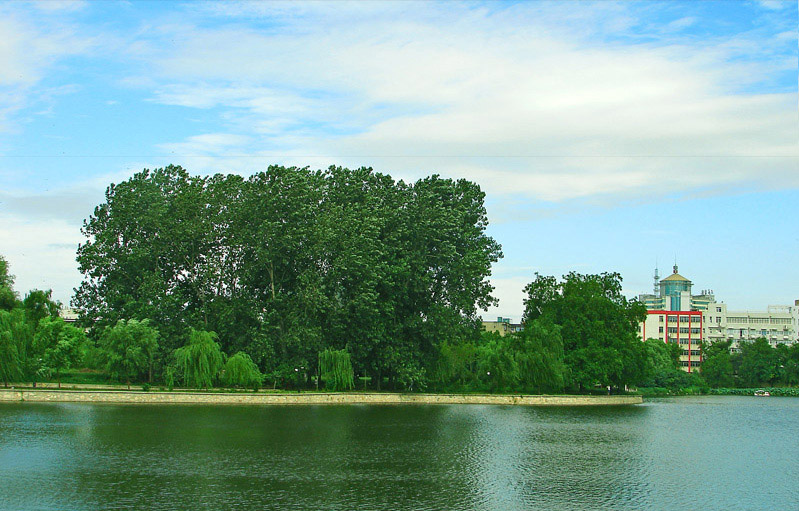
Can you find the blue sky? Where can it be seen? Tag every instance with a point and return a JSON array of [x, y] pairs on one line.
[[602, 132]]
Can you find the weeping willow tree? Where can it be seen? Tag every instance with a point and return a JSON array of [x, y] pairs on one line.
[[241, 371], [200, 360], [335, 369], [16, 335]]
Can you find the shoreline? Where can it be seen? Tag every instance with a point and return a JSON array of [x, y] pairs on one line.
[[331, 398]]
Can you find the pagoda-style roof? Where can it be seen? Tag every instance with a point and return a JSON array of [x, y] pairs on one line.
[[675, 277]]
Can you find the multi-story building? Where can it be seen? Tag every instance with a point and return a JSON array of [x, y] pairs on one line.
[[676, 315], [778, 325], [502, 325]]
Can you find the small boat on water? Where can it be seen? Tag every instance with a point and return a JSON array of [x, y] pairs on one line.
[[762, 393]]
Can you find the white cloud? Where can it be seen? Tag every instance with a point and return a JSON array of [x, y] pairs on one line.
[[27, 51], [775, 4], [57, 6], [213, 143], [42, 255], [516, 99], [510, 292]]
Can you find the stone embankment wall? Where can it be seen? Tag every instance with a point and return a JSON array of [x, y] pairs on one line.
[[105, 396]]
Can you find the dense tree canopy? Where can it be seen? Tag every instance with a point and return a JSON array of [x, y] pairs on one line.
[[598, 327], [758, 363], [290, 262]]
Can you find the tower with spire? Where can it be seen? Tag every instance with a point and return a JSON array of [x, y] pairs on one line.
[[657, 280]]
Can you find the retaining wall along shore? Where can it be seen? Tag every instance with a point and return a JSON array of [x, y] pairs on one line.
[[119, 396]]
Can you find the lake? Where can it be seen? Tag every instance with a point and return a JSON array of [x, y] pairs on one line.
[[711, 452]]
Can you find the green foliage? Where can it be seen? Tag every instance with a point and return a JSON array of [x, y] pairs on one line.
[[56, 346], [130, 348], [497, 365], [169, 378], [540, 357], [292, 261], [335, 369], [531, 360], [8, 298], [789, 362], [241, 371], [17, 344], [39, 304], [717, 369], [456, 366], [12, 345], [662, 367], [200, 360], [758, 363], [598, 327]]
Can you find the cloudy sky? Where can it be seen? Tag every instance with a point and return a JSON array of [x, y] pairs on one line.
[[608, 136]]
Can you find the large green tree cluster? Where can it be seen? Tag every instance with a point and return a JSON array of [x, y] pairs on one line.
[[597, 324], [290, 262]]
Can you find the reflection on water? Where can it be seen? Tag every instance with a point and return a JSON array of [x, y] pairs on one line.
[[687, 453]]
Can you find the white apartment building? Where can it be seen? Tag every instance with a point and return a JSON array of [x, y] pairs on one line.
[[778, 325], [676, 315]]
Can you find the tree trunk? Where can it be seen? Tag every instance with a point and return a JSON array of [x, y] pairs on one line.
[[271, 270]]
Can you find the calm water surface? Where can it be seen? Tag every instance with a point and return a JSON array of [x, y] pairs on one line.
[[725, 453]]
